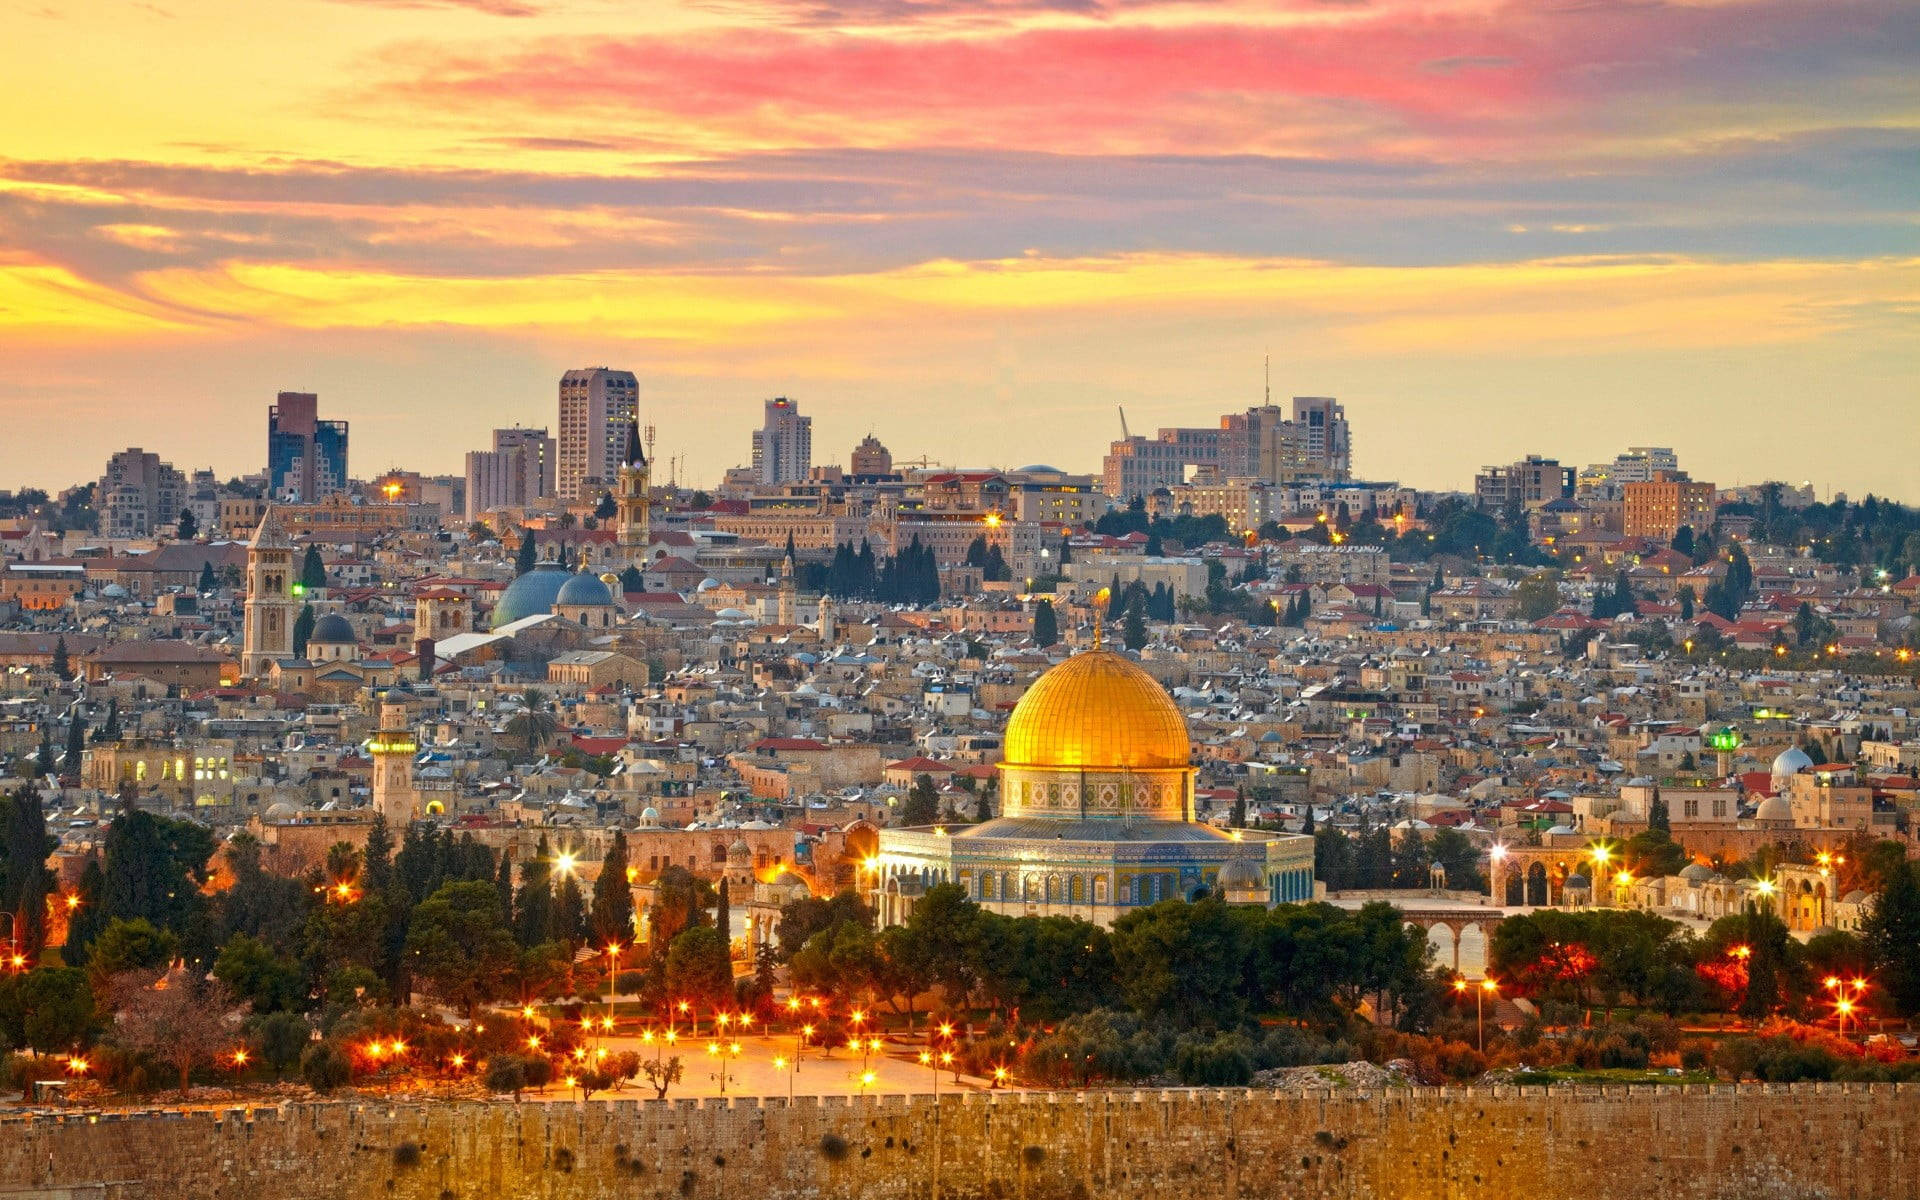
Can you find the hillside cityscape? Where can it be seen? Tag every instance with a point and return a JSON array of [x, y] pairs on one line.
[[1217, 766]]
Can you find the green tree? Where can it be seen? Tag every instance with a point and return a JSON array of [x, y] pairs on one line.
[[945, 924], [313, 571], [723, 913], [1891, 932], [76, 744], [1538, 595], [459, 945], [302, 630], [279, 1039], [256, 974], [1182, 961], [208, 582], [89, 918], [62, 661], [801, 919], [24, 879], [186, 527], [1133, 630], [613, 896], [155, 868], [1046, 625], [46, 1010], [129, 946], [922, 806], [527, 556], [700, 968], [606, 508], [569, 926], [324, 1067]]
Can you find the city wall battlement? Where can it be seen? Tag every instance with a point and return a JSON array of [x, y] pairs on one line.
[[1798, 1142]]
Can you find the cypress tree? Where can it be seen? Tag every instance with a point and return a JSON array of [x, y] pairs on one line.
[[723, 913], [302, 630], [533, 905], [109, 730], [1238, 820], [209, 582], [1046, 625], [62, 663], [313, 572], [1134, 629], [613, 896], [76, 743], [569, 913], [25, 881], [527, 555]]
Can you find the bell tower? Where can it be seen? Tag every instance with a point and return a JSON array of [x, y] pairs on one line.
[[634, 508], [271, 606]]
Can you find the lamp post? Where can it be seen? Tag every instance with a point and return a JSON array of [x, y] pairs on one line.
[[1846, 998], [1600, 854], [791, 1067], [1485, 988], [723, 1053]]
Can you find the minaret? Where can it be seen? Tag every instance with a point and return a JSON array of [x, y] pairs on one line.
[[635, 509], [788, 598], [828, 630], [392, 749], [271, 607]]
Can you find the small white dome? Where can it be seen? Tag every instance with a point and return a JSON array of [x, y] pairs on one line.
[[1790, 762], [1774, 808]]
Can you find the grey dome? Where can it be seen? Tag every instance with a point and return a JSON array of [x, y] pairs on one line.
[[531, 595], [583, 589], [331, 630], [1696, 873], [1774, 808], [1240, 873]]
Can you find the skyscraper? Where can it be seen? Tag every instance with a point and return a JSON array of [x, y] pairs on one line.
[[783, 445], [515, 473], [596, 406], [306, 457]]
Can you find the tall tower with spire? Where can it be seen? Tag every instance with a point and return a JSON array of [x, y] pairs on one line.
[[635, 513], [267, 630]]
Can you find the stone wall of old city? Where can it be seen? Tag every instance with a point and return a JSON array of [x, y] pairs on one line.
[[1667, 1143]]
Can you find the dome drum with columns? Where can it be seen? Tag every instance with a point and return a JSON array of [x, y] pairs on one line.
[[1096, 801]]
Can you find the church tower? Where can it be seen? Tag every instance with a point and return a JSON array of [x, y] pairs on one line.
[[271, 607], [392, 750], [635, 509]]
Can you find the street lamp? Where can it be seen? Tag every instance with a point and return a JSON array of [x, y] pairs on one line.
[[1487, 987], [723, 1053], [791, 1067], [1846, 993]]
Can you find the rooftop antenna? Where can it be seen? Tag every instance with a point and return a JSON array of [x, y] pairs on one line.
[[1266, 370], [649, 437]]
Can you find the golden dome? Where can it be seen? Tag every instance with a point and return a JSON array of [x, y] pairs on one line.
[[1097, 711]]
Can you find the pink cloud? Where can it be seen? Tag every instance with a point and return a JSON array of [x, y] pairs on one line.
[[1403, 80]]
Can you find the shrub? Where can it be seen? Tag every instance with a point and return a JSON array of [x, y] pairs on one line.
[[1223, 1061], [324, 1067]]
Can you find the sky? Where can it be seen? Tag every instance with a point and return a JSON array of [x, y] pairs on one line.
[[974, 229]]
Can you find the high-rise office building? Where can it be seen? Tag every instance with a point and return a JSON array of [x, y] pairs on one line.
[[1268, 444], [596, 406], [306, 457], [870, 458], [515, 473], [783, 445], [1320, 430], [138, 493]]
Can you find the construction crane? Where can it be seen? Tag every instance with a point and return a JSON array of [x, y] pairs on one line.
[[1125, 436]]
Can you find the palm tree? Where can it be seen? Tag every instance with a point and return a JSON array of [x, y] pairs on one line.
[[536, 724]]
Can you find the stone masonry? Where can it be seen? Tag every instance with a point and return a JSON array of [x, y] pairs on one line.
[[1826, 1141]]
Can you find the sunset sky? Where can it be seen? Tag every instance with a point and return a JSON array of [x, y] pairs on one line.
[[971, 228]]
